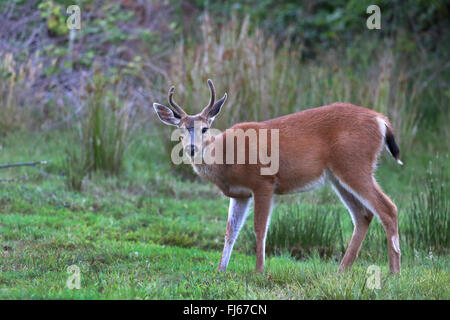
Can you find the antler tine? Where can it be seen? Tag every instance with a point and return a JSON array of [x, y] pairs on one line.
[[173, 104], [213, 94]]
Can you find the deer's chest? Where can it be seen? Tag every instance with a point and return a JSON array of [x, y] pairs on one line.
[[228, 188]]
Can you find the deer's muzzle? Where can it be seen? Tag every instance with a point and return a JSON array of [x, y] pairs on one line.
[[191, 150]]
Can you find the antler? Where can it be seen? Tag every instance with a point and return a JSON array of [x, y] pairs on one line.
[[173, 104], [212, 99], [213, 93]]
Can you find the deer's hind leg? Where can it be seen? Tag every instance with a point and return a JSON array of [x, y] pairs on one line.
[[364, 188], [361, 218]]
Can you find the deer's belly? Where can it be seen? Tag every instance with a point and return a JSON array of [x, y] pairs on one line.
[[292, 185], [237, 191]]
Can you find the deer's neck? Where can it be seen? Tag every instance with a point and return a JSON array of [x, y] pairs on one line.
[[220, 173], [214, 172]]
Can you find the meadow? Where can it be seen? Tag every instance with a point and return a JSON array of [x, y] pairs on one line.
[[110, 202]]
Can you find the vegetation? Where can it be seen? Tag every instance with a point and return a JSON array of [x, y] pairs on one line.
[[111, 202], [301, 230], [428, 218], [105, 130]]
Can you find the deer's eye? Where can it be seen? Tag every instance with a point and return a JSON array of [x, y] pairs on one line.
[[204, 130]]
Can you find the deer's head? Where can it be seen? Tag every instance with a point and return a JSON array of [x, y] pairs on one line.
[[194, 129]]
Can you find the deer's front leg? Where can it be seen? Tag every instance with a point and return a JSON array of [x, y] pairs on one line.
[[263, 208], [237, 213]]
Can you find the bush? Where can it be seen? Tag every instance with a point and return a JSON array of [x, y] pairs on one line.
[[322, 25]]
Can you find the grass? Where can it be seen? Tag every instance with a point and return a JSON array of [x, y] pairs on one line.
[[102, 133], [300, 230], [430, 212], [117, 270], [15, 78], [147, 235]]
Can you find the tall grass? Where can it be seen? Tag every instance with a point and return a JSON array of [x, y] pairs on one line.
[[264, 80], [301, 230], [16, 79], [77, 164], [261, 80], [427, 222], [103, 132], [107, 128]]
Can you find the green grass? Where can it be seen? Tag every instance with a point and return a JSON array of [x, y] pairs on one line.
[[141, 270], [147, 235]]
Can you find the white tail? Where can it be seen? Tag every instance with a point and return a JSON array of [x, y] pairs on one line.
[[339, 143]]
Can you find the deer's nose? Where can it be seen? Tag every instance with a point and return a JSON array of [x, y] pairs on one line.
[[191, 150]]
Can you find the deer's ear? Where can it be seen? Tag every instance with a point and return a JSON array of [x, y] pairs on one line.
[[167, 115], [216, 108]]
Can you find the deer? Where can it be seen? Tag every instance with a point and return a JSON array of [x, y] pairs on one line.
[[338, 143]]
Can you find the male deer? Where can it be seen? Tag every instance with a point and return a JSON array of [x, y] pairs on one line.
[[339, 142]]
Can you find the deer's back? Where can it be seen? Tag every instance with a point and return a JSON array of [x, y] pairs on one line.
[[310, 141]]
